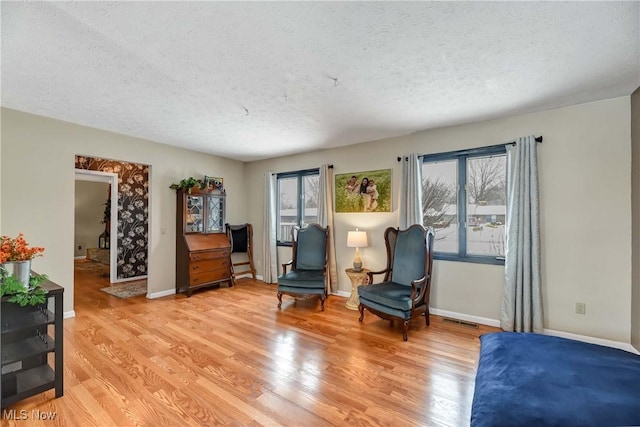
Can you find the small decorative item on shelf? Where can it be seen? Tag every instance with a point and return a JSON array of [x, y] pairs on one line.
[[187, 184], [16, 280], [214, 184]]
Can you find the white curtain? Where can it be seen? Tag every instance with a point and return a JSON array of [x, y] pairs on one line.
[[269, 253], [411, 191], [325, 218], [522, 298]]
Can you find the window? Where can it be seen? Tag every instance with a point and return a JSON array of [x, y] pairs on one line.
[[297, 202], [464, 200]]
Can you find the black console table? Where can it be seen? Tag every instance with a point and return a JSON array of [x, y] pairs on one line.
[[27, 344]]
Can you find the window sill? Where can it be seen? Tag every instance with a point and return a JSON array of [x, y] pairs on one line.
[[470, 258]]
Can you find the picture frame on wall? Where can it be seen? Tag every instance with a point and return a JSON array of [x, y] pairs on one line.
[[214, 183], [367, 191]]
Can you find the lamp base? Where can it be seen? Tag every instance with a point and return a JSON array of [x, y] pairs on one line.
[[357, 262], [357, 267]]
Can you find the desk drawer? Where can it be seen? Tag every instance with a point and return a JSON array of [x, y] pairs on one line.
[[200, 256], [208, 265], [209, 276]]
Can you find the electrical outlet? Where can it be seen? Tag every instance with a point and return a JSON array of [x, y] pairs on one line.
[[581, 308], [79, 247]]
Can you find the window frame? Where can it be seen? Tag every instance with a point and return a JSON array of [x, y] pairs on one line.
[[300, 175], [461, 156]]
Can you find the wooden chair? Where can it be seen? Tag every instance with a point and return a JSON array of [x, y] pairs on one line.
[[241, 239], [404, 291], [308, 274]]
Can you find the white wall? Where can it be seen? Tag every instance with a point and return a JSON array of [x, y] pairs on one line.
[[40, 151], [635, 200], [585, 213], [90, 197]]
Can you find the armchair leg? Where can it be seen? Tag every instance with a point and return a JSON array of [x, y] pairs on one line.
[[279, 299], [404, 330], [426, 317], [322, 298], [361, 310]]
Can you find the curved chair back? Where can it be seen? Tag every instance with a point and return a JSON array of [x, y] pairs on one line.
[[410, 255], [310, 247]]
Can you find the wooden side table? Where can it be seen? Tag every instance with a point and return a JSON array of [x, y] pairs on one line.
[[357, 278]]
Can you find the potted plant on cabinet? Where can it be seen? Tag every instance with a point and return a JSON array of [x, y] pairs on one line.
[[187, 184], [16, 281]]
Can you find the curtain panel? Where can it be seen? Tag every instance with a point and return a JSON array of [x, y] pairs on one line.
[[521, 309], [269, 251], [411, 191], [325, 218]]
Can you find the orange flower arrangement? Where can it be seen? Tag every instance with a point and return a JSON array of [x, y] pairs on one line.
[[17, 249]]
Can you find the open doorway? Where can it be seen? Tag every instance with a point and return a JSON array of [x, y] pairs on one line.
[[95, 222]]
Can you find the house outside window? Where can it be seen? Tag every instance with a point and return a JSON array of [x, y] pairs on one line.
[[297, 202], [464, 200]]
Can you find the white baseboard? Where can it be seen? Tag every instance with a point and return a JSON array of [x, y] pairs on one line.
[[592, 340], [465, 317], [259, 278], [131, 279], [342, 294], [161, 294], [577, 337], [80, 257], [69, 314]]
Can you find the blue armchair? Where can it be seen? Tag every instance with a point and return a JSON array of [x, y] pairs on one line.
[[308, 273], [404, 291]]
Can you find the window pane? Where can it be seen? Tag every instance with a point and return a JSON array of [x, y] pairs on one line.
[[439, 202], [486, 205], [310, 212], [195, 208], [287, 207]]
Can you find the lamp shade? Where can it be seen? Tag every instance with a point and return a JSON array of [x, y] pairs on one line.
[[357, 239]]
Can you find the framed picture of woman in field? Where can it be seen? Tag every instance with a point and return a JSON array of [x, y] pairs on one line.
[[368, 191]]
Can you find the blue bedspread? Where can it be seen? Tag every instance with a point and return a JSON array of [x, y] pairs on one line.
[[539, 380]]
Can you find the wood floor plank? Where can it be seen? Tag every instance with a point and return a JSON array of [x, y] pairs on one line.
[[228, 356]]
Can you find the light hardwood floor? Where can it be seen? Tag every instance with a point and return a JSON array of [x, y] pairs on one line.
[[228, 356]]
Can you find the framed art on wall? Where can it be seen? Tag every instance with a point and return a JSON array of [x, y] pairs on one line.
[[368, 191]]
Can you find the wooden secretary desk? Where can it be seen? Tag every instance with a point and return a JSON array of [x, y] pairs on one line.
[[203, 251]]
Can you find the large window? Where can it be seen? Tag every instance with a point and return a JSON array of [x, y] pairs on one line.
[[464, 200], [297, 201]]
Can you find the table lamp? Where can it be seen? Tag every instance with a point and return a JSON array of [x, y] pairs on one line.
[[357, 239]]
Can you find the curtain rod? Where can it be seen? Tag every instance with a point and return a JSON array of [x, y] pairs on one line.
[[538, 140]]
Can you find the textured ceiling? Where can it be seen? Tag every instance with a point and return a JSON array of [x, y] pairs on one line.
[[253, 80]]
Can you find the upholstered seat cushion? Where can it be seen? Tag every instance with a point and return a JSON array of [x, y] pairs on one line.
[[305, 279], [388, 294]]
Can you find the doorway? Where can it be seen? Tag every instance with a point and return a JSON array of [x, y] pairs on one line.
[[94, 185]]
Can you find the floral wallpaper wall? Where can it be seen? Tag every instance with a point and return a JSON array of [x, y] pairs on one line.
[[133, 212]]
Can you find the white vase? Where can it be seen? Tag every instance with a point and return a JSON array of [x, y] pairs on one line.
[[20, 269]]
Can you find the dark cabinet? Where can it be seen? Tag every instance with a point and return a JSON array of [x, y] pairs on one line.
[[203, 251], [32, 338]]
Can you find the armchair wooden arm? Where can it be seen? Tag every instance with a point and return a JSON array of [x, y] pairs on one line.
[[284, 266], [371, 273], [414, 288]]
